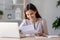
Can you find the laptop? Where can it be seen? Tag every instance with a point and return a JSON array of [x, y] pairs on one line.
[[9, 29]]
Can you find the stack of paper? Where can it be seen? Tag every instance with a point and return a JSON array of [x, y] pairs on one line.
[[40, 37], [53, 36], [49, 36]]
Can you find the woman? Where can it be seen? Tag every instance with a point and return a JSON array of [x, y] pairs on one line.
[[32, 17]]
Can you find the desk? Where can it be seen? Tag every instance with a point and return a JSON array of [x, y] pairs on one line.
[[30, 38]]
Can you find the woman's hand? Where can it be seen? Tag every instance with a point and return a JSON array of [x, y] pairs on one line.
[[40, 34], [19, 30]]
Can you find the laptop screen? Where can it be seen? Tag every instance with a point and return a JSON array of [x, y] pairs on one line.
[[9, 29]]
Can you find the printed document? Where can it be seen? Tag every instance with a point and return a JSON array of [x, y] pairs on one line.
[[29, 29]]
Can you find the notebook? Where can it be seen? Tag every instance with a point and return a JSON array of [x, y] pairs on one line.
[[9, 29]]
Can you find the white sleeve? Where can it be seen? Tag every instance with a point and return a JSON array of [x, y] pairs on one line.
[[44, 24], [22, 24]]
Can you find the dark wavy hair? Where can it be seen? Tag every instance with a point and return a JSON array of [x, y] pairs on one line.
[[30, 6]]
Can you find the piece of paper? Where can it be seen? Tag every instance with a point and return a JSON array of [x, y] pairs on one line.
[[48, 36], [53, 36], [29, 29], [40, 37]]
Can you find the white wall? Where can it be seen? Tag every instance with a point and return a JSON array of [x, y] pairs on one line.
[[49, 11]]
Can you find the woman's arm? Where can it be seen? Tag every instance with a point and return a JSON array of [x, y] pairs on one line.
[[44, 28]]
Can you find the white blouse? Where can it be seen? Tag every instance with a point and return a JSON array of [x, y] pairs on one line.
[[39, 26]]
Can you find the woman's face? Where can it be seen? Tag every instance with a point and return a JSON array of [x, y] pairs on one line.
[[31, 14]]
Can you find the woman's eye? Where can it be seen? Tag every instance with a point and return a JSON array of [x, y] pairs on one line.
[[31, 14]]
